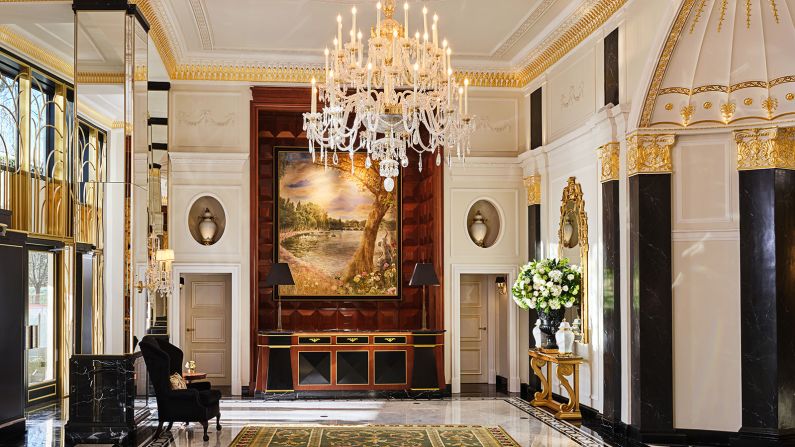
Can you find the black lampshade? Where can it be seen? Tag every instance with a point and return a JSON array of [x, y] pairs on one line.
[[424, 275], [279, 275]]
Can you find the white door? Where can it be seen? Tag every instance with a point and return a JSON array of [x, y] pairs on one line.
[[474, 330], [206, 325]]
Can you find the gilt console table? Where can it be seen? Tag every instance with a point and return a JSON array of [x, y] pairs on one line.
[[307, 364], [567, 366]]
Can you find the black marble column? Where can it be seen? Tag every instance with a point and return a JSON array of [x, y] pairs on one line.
[[767, 302], [651, 329], [533, 252], [611, 292]]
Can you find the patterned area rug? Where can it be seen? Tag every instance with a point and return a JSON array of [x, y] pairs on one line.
[[373, 436]]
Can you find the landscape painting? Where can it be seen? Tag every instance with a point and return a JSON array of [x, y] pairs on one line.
[[338, 228]]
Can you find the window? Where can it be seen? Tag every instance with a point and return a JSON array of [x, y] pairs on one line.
[[41, 317], [42, 117], [9, 111]]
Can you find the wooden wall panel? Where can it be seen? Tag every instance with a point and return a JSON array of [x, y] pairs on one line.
[[276, 120]]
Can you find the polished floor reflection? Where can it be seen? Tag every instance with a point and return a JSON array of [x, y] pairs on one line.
[[527, 425]]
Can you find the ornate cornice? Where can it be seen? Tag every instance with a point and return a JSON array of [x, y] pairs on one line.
[[544, 57], [533, 185], [765, 148], [608, 161], [35, 52], [649, 153]]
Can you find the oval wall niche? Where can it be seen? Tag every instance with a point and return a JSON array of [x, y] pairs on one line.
[[205, 212], [483, 222]]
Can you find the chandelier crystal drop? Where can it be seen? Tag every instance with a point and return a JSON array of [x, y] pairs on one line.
[[400, 96]]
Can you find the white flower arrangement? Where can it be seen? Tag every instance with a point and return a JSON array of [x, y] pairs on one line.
[[548, 284]]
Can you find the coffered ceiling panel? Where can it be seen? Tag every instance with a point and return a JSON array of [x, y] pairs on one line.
[[268, 31]]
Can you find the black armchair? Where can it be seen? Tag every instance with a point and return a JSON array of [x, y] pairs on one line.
[[198, 403]]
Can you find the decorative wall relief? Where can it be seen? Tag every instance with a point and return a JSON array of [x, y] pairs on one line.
[[205, 117], [573, 95]]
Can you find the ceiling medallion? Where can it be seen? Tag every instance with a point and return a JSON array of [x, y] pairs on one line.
[[400, 96]]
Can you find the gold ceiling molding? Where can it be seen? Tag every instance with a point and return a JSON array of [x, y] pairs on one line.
[[727, 88], [589, 22], [609, 161], [35, 52], [100, 77], [533, 185], [158, 34], [662, 64], [94, 116], [649, 153], [765, 148]]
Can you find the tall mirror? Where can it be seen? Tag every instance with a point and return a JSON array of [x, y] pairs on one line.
[[573, 238], [111, 71]]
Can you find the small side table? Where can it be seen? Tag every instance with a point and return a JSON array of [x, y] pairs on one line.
[[194, 376], [567, 365]]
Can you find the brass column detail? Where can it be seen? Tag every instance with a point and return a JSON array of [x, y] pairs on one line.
[[649, 154], [533, 186], [608, 161], [765, 148]]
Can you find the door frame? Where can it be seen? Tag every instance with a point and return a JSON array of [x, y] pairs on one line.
[[238, 319], [511, 271]]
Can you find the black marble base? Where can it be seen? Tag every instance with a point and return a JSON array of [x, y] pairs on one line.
[[767, 302], [651, 312], [611, 316]]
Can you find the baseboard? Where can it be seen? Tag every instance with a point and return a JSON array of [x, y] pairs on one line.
[[621, 433], [747, 437], [502, 384]]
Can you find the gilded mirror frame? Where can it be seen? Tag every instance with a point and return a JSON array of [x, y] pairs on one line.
[[572, 205]]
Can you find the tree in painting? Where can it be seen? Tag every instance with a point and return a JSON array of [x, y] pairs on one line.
[[337, 227]]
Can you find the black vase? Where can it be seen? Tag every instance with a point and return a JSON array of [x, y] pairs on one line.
[[550, 322]]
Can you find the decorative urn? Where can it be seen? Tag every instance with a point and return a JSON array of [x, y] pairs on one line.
[[207, 226], [478, 229], [537, 334], [565, 338]]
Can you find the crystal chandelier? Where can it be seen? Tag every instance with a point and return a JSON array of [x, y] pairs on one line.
[[403, 98], [157, 278]]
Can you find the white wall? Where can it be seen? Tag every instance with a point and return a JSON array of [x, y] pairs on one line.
[[209, 147], [706, 283], [498, 180]]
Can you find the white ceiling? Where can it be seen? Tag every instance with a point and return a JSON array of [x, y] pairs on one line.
[[738, 53], [482, 34]]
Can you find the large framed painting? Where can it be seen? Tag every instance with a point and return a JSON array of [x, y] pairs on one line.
[[337, 228]]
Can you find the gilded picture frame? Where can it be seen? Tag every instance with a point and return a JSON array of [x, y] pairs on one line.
[[573, 235]]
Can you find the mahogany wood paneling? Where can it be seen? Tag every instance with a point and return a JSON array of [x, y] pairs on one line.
[[276, 120]]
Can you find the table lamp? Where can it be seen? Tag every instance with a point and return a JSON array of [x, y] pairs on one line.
[[279, 275], [424, 275]]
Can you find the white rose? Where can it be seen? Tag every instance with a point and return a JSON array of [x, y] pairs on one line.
[[565, 288], [570, 277], [569, 304]]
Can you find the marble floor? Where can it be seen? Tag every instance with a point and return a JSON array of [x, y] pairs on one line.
[[527, 425]]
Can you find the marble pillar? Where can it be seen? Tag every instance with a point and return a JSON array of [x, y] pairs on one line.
[[611, 283], [767, 284], [533, 186], [651, 313]]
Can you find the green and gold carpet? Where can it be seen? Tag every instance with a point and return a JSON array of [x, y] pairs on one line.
[[373, 436]]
